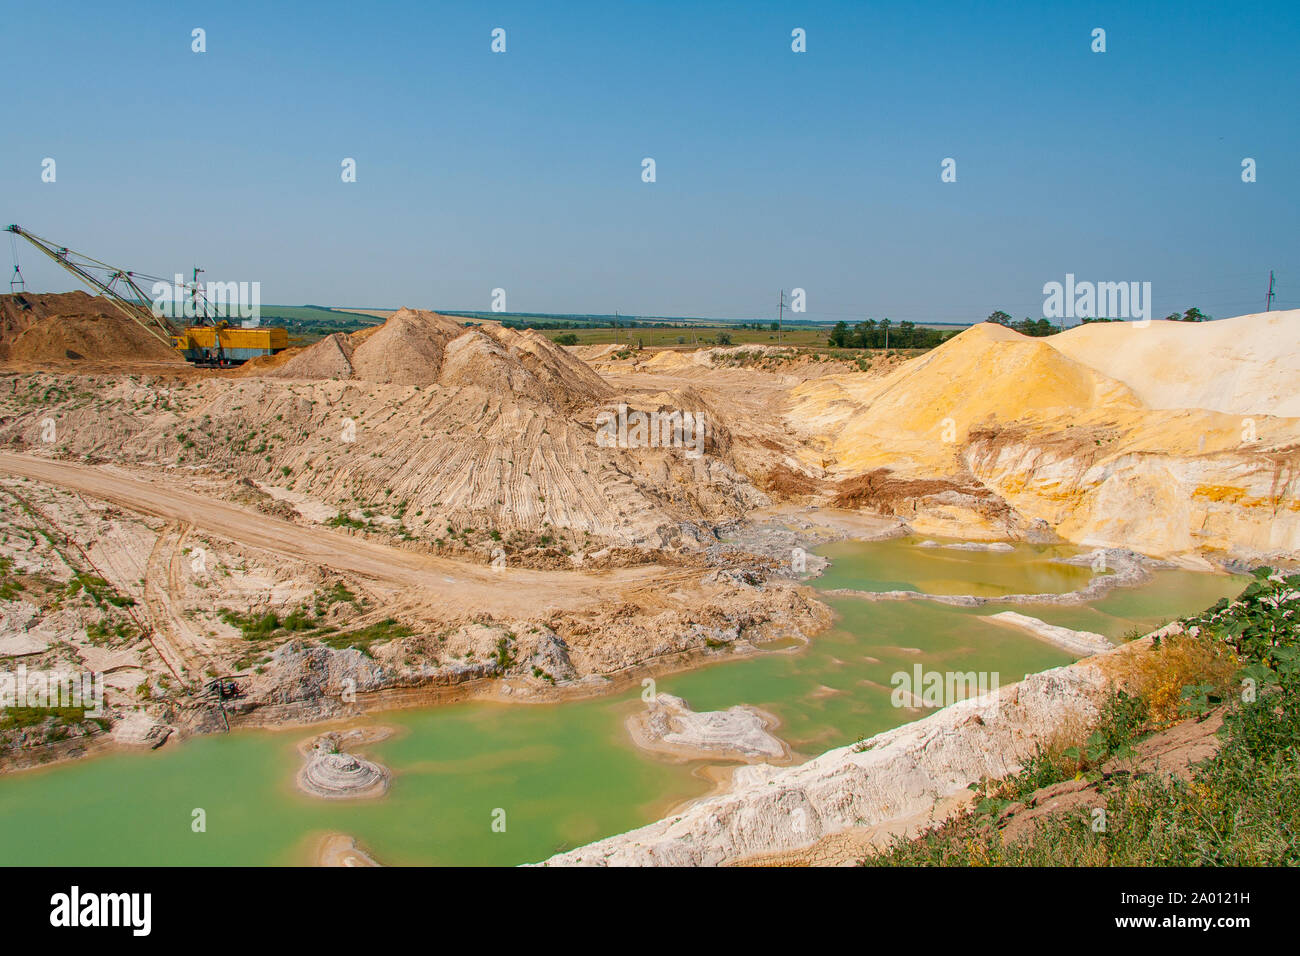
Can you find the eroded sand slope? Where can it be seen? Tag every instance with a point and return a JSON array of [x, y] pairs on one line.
[[1191, 448]]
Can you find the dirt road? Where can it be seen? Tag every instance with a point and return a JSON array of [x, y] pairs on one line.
[[456, 585]]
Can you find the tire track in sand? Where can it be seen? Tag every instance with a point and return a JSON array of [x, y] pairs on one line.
[[456, 586]]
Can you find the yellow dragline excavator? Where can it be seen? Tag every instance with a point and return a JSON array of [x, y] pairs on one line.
[[209, 341]]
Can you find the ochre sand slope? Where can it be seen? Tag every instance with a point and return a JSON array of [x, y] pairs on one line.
[[1194, 450], [415, 347]]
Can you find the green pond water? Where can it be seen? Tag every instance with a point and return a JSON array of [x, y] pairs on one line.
[[566, 774]]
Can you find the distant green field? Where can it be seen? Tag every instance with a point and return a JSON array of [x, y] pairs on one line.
[[309, 323], [656, 337], [315, 315], [578, 319]]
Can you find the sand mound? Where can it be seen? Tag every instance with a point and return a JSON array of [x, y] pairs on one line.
[[331, 357], [341, 775], [987, 374], [1063, 446], [1248, 365], [406, 350], [562, 376], [263, 364], [476, 359], [424, 348], [20, 311], [593, 353], [66, 327], [61, 339], [667, 360]]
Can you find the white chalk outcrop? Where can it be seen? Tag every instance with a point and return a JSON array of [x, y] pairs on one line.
[[895, 775], [668, 726], [138, 729], [1079, 643], [971, 546]]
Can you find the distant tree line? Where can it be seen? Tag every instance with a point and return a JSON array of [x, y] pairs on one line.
[[1041, 327], [553, 324], [872, 334], [559, 324], [1026, 326], [1191, 315]]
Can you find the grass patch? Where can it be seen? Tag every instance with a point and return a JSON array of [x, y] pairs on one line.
[[107, 631], [268, 625], [338, 594], [342, 520], [10, 586], [389, 629], [19, 718], [503, 654], [98, 590]]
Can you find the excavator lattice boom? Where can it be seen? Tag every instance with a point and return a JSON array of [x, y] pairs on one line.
[[209, 342]]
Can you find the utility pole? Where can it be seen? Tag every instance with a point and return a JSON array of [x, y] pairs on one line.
[[780, 316], [1268, 300], [616, 326]]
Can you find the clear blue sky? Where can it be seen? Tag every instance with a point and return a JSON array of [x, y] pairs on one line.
[[775, 169]]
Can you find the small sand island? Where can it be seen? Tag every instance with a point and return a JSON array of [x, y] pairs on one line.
[[668, 726], [969, 546], [1079, 643], [332, 773], [339, 849]]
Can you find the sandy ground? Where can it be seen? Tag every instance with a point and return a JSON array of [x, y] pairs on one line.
[[455, 585], [338, 849], [1242, 365], [633, 561], [570, 634]]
